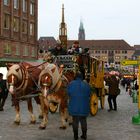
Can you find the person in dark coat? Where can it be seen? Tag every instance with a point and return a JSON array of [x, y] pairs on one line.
[[3, 92], [58, 50], [114, 90], [75, 49], [79, 104]]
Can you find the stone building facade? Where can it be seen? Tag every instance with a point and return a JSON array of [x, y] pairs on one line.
[[18, 30]]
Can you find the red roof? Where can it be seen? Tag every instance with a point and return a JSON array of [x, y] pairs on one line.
[[103, 44], [91, 44]]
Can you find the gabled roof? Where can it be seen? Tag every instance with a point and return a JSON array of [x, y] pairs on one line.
[[91, 44], [137, 47], [103, 44], [47, 41]]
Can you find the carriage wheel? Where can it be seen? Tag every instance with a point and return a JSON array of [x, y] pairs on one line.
[[53, 107], [93, 104], [102, 99]]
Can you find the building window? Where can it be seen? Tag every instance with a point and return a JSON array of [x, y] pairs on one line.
[[17, 50], [117, 57], [25, 51], [7, 49], [104, 57], [33, 52], [125, 57], [6, 21], [16, 4], [24, 5], [32, 8], [16, 24], [24, 27], [6, 2], [31, 29]]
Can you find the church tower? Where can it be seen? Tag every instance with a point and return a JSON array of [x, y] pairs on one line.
[[63, 31], [81, 35]]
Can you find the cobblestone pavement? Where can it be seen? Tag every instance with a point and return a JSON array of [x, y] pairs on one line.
[[104, 126]]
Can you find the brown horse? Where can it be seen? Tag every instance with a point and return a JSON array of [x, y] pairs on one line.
[[22, 82], [53, 86]]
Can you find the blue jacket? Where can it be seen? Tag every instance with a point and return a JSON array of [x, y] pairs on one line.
[[79, 98]]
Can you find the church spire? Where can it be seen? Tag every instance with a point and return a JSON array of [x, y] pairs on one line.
[[63, 30], [63, 20], [81, 26], [81, 35]]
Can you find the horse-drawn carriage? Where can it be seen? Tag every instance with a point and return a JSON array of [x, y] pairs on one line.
[[93, 73], [49, 80]]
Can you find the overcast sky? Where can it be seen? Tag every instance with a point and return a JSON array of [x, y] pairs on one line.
[[102, 19]]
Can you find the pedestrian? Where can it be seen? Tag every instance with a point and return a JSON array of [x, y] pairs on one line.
[[58, 50], [114, 90], [136, 85], [128, 85], [79, 104], [75, 49], [3, 92]]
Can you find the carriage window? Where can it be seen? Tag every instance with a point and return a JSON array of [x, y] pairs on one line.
[[99, 66], [95, 67]]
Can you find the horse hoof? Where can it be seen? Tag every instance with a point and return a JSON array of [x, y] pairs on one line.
[[40, 117], [17, 123], [42, 127], [62, 127], [32, 122]]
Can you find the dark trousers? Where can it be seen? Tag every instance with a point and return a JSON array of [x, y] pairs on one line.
[[83, 121], [2, 100], [110, 99]]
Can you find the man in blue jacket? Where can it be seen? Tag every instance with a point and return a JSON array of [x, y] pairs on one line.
[[79, 104]]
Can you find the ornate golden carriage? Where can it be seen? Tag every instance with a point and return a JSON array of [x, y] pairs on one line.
[[97, 84], [93, 70]]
